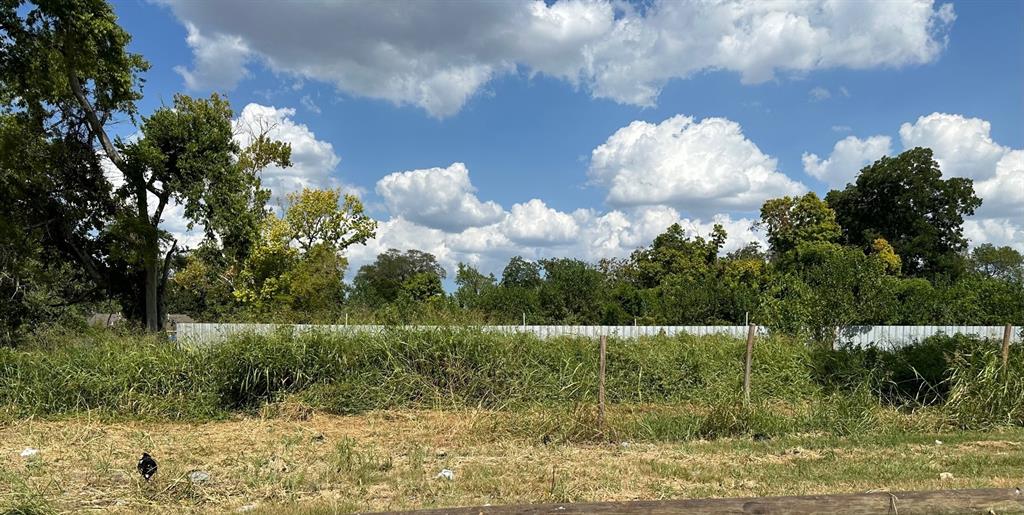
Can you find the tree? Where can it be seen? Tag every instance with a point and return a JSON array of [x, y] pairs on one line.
[[65, 76], [521, 273], [749, 252], [395, 272], [826, 286], [998, 262], [904, 200], [673, 252], [299, 257], [186, 154], [471, 285], [794, 220], [324, 216], [572, 292]]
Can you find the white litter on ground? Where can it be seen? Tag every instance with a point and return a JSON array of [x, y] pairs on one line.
[[198, 476]]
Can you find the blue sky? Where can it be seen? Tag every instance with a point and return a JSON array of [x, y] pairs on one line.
[[524, 96]]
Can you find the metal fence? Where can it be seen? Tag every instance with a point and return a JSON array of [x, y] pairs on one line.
[[886, 336]]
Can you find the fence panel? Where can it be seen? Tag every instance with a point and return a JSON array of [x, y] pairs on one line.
[[861, 336]]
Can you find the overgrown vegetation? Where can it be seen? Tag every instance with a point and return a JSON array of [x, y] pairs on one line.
[[947, 381]]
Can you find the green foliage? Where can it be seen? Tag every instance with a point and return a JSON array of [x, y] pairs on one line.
[[983, 392], [471, 286], [521, 273], [825, 286], [394, 273], [298, 260], [791, 221], [905, 200], [1003, 263], [796, 388], [571, 292], [319, 217]]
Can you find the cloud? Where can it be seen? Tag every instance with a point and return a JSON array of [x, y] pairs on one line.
[[219, 61], [531, 229], [313, 160], [849, 155], [1003, 192], [441, 198], [963, 146], [997, 231], [309, 104], [698, 167], [437, 56], [819, 93], [534, 223]]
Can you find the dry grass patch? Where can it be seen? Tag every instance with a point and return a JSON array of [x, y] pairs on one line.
[[390, 460]]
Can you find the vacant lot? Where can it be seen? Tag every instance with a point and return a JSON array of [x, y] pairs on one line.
[[390, 460]]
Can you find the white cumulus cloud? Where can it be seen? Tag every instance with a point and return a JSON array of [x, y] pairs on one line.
[[848, 156], [698, 167], [313, 160], [963, 146], [534, 223], [442, 198]]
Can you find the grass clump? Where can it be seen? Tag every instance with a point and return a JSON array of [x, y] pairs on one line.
[[682, 387]]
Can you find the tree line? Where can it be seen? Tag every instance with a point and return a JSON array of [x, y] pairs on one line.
[[887, 249], [81, 215]]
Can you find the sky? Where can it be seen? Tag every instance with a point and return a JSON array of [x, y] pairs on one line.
[[583, 128]]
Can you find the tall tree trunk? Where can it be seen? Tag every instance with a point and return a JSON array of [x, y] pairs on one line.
[[150, 254], [161, 299], [152, 283]]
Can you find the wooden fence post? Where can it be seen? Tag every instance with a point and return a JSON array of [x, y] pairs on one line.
[[1007, 333], [751, 329], [600, 383]]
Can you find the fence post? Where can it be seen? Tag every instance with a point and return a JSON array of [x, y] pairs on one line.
[[751, 329], [600, 383], [1007, 332]]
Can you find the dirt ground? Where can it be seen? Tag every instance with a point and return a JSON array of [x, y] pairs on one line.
[[392, 460]]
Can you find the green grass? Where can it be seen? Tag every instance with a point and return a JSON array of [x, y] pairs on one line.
[[796, 387]]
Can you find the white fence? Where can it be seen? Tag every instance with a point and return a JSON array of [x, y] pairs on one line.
[[896, 335], [890, 336]]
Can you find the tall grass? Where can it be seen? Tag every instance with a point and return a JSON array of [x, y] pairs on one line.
[[695, 381]]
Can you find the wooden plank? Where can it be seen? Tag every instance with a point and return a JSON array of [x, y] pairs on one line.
[[600, 383], [1007, 333], [993, 500]]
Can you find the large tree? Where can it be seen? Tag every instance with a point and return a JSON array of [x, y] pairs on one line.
[[98, 201], [413, 273], [299, 258], [905, 200]]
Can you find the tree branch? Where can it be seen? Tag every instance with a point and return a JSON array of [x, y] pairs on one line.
[[167, 265], [162, 197], [94, 121]]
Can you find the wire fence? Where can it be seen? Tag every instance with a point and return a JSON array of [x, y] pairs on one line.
[[881, 335]]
